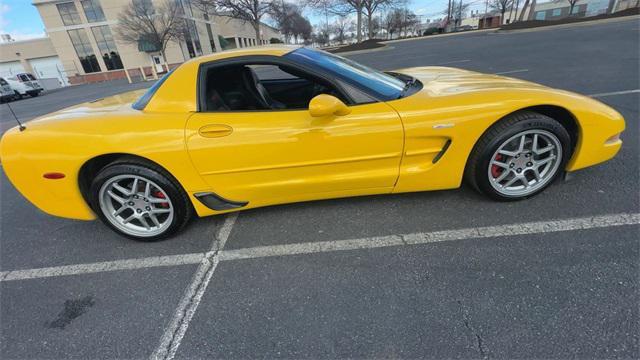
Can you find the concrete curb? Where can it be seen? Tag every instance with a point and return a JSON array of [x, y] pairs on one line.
[[440, 35], [355, 52], [576, 24]]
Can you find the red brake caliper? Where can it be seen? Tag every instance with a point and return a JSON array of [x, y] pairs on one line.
[[495, 169], [158, 194]]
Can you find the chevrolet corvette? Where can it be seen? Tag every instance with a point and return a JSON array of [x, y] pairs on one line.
[[270, 125]]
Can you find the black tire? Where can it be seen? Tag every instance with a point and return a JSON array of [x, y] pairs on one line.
[[34, 93], [17, 95], [179, 199], [480, 158]]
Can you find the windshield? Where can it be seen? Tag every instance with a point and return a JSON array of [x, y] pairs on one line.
[[383, 86]]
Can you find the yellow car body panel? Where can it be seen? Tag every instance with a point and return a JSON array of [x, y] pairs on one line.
[[274, 157]]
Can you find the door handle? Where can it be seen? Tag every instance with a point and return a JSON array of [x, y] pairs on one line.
[[215, 130]]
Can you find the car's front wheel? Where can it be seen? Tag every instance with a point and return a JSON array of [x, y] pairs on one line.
[[519, 156], [140, 202]]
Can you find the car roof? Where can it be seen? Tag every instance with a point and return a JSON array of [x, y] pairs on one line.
[[167, 99], [272, 50]]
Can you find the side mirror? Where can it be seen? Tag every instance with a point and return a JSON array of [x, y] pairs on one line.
[[327, 105]]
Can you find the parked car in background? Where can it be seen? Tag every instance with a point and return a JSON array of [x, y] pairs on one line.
[[6, 93], [25, 84]]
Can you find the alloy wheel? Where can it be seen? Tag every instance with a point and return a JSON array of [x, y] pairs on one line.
[[136, 205], [525, 163]]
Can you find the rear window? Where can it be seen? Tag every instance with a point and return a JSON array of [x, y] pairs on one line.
[[146, 97]]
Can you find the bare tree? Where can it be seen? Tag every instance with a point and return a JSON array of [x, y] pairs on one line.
[[392, 21], [501, 6], [284, 14], [342, 7], [459, 11], [141, 23], [572, 4], [341, 26], [251, 11], [370, 7]]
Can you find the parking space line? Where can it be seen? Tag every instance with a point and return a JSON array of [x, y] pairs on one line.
[[541, 227], [452, 62], [129, 264], [532, 228], [616, 93], [188, 305], [511, 72]]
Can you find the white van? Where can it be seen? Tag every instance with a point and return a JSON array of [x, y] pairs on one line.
[[25, 84], [6, 92]]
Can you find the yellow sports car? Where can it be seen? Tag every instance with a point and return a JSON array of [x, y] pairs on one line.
[[261, 126]]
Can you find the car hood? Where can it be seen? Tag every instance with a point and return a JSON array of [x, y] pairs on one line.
[[441, 81]]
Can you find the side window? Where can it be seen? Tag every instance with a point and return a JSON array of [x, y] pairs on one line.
[[261, 87]]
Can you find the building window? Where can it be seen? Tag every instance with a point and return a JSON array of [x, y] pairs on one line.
[[556, 12], [69, 13], [92, 10], [540, 15], [83, 48], [107, 47]]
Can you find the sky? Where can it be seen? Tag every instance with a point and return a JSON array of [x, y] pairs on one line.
[[21, 20]]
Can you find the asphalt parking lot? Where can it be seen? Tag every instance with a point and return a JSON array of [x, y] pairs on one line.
[[445, 274]]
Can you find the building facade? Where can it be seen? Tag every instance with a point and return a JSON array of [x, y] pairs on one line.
[[35, 56], [83, 34]]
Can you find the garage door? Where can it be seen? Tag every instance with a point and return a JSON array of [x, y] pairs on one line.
[[10, 68], [49, 68]]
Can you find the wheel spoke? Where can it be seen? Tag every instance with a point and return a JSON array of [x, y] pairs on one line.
[[544, 150], [144, 222], [503, 176], [159, 211], [120, 189], [120, 210], [534, 146], [507, 152], [510, 182], [147, 190], [539, 163], [523, 139], [116, 197], [536, 173], [131, 217], [134, 186], [154, 218], [155, 200], [498, 163]]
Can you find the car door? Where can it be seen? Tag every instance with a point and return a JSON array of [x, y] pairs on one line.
[[278, 156]]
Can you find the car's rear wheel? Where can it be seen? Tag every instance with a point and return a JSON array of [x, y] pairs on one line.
[[519, 157], [139, 201]]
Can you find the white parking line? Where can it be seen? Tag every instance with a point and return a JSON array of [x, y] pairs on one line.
[[541, 227], [616, 93], [187, 307], [129, 264], [532, 228], [452, 62], [511, 72]]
